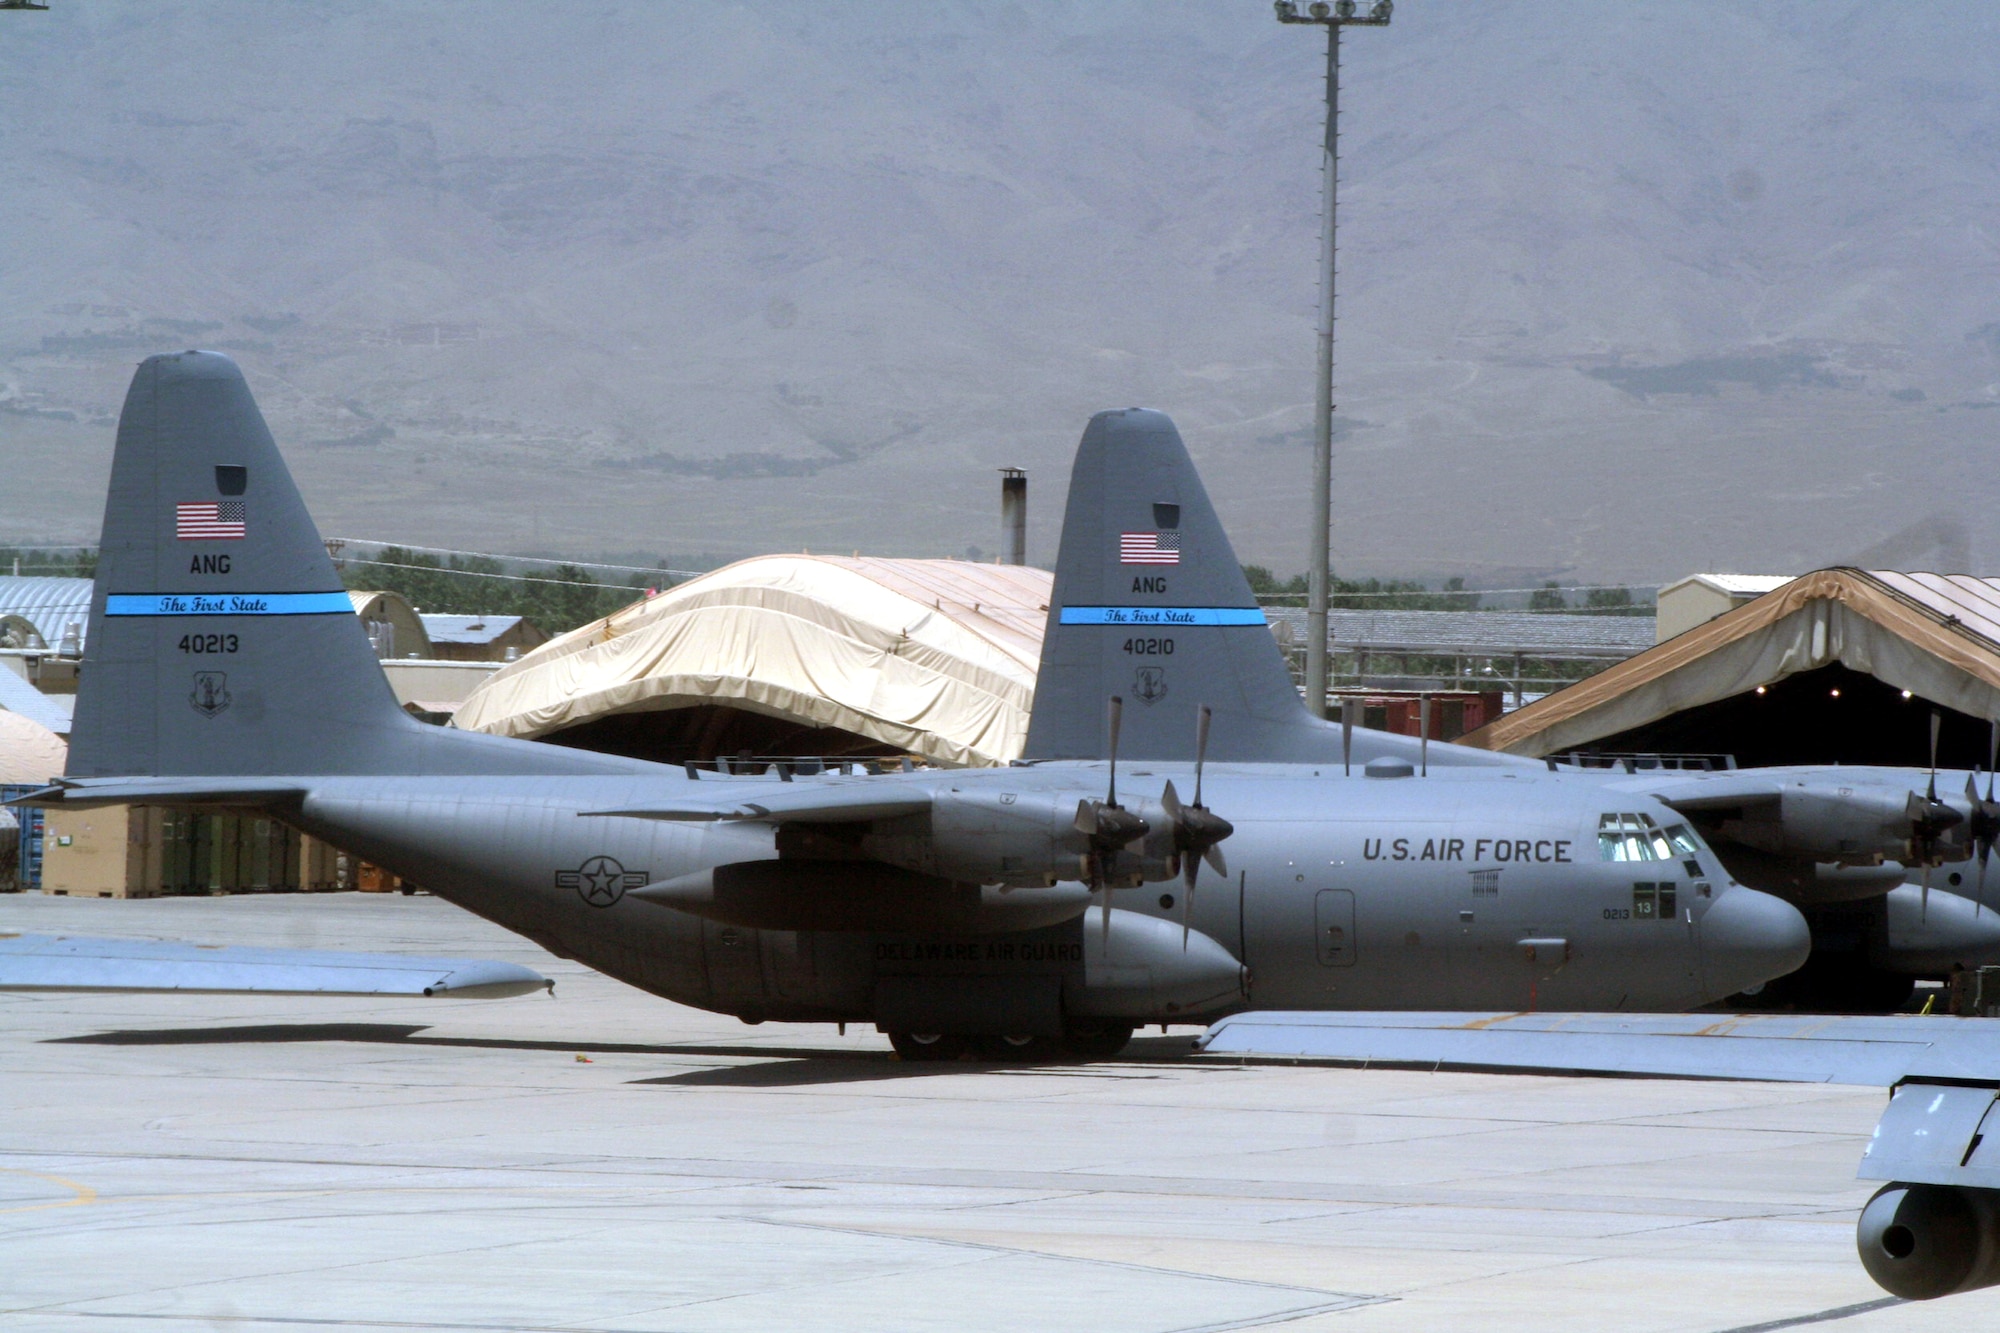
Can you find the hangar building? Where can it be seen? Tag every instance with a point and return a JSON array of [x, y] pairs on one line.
[[39, 612], [480, 638], [1836, 666], [792, 655]]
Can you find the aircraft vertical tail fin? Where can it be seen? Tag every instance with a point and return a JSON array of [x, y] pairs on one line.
[[221, 640], [1150, 604]]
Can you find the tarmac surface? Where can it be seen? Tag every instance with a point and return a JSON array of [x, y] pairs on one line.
[[175, 1163]]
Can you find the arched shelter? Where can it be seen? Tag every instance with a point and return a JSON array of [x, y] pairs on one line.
[[394, 627], [792, 655], [51, 610], [1837, 666]]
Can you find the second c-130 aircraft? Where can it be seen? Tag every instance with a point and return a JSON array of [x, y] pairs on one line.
[[1104, 883]]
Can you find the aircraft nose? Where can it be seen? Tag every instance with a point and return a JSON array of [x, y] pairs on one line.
[[1749, 938]]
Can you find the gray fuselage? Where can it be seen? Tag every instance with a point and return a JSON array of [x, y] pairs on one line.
[[1463, 889]]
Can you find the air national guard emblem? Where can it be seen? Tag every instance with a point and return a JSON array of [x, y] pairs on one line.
[[210, 694], [601, 881]]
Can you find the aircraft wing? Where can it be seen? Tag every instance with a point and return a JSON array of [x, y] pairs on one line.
[[1874, 1051], [802, 802], [1943, 1073], [1687, 792], [88, 963]]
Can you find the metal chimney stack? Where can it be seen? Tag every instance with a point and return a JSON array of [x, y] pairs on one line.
[[1013, 516]]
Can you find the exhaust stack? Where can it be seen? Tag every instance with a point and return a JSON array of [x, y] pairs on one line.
[[1013, 516]]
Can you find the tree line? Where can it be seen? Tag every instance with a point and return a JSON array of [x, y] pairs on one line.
[[557, 598], [1363, 594], [1409, 595], [61, 563]]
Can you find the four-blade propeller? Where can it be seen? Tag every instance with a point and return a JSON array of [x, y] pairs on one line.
[[1107, 827], [1931, 822], [1197, 829], [1983, 827]]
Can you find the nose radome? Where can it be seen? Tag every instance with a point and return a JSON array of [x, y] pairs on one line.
[[1749, 938]]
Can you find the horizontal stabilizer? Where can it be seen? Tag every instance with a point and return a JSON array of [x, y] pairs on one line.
[[790, 803], [87, 963], [90, 793], [1781, 1048]]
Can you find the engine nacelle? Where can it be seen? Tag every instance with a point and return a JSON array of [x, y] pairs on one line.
[[1020, 839], [1826, 822], [861, 896], [1043, 984], [1925, 1241], [1145, 972], [1927, 939]]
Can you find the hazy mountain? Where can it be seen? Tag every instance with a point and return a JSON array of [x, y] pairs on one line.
[[1628, 290]]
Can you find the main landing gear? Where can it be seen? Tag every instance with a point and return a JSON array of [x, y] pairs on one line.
[[1082, 1039]]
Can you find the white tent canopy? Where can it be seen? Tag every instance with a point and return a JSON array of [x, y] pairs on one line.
[[932, 657]]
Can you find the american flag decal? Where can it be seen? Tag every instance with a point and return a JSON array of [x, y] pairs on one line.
[[209, 521], [1149, 548]]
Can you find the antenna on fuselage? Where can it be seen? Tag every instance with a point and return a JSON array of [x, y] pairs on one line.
[[1347, 737], [1424, 735]]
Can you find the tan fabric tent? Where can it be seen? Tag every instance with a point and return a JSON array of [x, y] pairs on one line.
[[29, 751], [933, 657], [1935, 635]]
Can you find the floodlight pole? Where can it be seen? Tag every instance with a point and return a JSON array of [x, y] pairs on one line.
[[1319, 573]]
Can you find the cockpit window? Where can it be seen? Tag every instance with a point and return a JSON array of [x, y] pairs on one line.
[[1634, 837], [1628, 836]]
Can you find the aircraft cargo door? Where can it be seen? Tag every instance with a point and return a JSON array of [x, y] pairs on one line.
[[1333, 915]]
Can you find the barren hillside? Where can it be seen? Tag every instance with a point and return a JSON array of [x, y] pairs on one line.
[[1628, 290]]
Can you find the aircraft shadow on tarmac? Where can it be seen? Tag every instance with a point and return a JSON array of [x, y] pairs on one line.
[[777, 1067]]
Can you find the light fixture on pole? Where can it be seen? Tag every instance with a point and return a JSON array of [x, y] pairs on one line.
[[1319, 573]]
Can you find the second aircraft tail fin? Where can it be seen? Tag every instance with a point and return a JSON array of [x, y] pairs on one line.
[[1150, 604]]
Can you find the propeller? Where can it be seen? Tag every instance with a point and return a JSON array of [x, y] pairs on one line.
[[1983, 828], [1197, 829], [1930, 820], [1106, 825]]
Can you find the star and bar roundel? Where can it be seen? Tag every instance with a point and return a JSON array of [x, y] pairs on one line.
[[601, 880]]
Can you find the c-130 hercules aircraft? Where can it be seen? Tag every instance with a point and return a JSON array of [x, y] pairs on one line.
[[1060, 899], [1005, 907]]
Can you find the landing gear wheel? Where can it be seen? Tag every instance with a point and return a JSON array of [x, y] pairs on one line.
[[1010, 1048], [927, 1046], [1095, 1039]]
